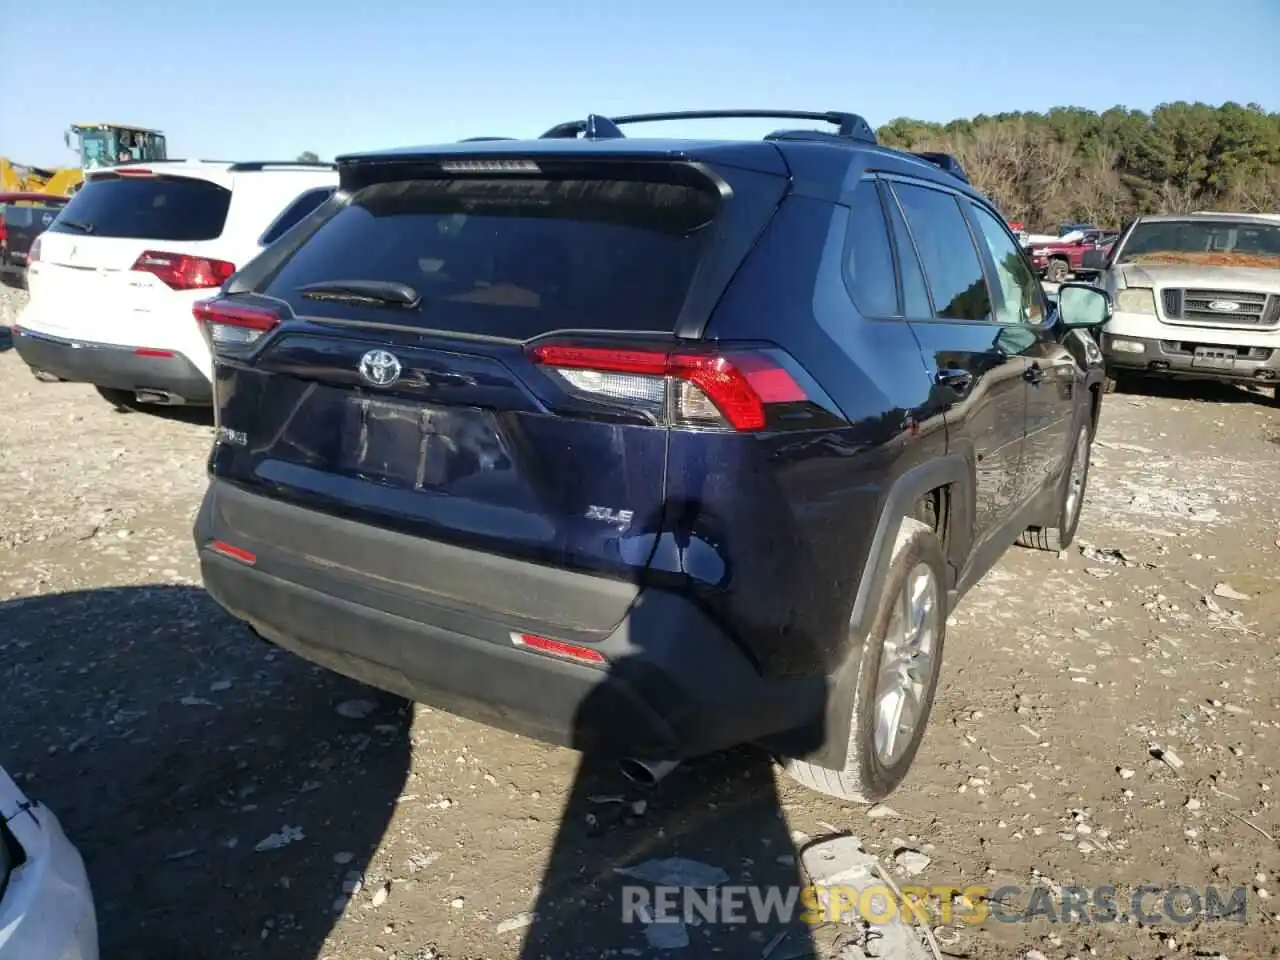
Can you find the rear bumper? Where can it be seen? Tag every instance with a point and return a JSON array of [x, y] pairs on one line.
[[1164, 357], [673, 683], [116, 367]]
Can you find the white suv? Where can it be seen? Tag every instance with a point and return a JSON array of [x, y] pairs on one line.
[[114, 278]]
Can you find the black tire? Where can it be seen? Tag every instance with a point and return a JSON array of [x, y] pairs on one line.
[[865, 778], [1119, 381], [1060, 536], [1057, 271]]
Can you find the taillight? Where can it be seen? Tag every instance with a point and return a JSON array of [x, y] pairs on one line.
[[183, 272], [232, 325], [4, 232], [730, 389]]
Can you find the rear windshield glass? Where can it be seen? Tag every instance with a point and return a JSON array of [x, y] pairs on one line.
[[146, 208], [22, 217], [512, 258]]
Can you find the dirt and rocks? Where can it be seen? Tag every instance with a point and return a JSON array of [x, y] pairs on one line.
[[1109, 717]]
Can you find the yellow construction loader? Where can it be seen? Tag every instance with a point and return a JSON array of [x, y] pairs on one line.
[[99, 145]]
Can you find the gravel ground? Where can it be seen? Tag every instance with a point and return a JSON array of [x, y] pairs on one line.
[[1107, 718]]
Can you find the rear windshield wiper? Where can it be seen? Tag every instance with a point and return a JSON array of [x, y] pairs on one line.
[[378, 293], [78, 225]]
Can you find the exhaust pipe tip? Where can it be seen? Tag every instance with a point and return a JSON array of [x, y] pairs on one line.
[[161, 398], [646, 773]]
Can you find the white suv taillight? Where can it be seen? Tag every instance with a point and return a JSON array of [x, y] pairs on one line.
[[183, 272]]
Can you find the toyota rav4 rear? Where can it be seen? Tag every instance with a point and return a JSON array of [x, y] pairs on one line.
[[473, 448]]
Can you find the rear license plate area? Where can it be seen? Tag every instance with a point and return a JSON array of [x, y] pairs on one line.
[[1209, 359], [387, 442]]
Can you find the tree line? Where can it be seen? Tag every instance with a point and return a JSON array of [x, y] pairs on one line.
[[1072, 164]]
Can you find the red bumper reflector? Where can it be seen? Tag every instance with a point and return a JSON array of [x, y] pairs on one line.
[[557, 648], [234, 553], [151, 352]]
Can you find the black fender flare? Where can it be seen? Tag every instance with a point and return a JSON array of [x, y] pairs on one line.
[[951, 470], [954, 470]]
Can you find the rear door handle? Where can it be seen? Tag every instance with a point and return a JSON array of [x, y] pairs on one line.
[[958, 380], [1033, 374]]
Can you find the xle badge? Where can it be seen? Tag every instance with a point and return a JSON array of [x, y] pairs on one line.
[[618, 518]]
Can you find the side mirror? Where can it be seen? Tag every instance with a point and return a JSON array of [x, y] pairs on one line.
[[1094, 259], [1083, 305]]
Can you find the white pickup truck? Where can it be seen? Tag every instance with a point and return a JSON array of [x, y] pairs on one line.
[[1195, 295]]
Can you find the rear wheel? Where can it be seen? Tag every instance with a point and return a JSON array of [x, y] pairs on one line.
[[896, 677], [1119, 381], [1057, 271], [1059, 537]]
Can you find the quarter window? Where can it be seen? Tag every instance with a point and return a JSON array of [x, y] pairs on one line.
[[947, 253], [869, 262]]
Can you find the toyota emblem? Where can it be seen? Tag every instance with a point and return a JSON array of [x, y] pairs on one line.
[[380, 368]]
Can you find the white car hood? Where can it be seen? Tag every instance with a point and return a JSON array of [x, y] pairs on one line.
[[1244, 279]]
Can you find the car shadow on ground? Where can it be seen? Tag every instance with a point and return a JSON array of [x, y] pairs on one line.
[[714, 822], [217, 794], [196, 416], [1204, 391]]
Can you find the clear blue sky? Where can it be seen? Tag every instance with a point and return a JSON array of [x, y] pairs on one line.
[[266, 79]]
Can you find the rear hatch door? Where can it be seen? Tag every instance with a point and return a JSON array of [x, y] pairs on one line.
[[91, 281], [428, 414]]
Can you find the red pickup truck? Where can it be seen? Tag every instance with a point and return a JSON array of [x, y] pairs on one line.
[[1059, 259]]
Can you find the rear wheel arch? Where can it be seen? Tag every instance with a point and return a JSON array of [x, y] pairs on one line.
[[949, 473], [946, 480], [860, 759]]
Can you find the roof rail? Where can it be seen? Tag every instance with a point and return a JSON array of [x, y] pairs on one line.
[[483, 139], [944, 161], [247, 166], [849, 126]]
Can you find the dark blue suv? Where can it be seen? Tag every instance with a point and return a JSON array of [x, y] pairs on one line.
[[645, 446]]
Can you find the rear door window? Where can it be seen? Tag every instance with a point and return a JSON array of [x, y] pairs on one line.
[[512, 258], [293, 213], [146, 208], [915, 294], [947, 253]]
